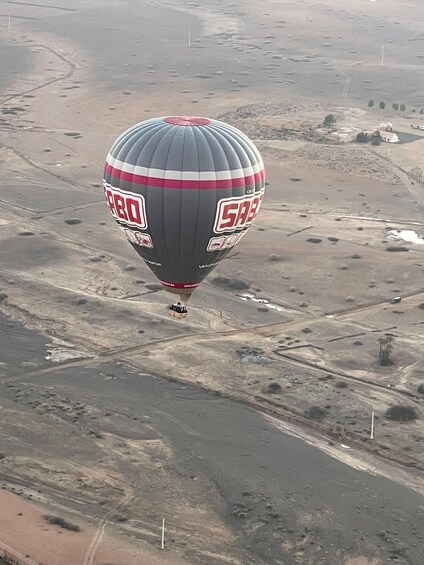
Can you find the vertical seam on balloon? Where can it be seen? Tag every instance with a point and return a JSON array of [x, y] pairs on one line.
[[211, 131], [219, 136], [247, 144], [163, 190], [156, 130], [199, 194], [181, 203], [150, 132], [219, 133]]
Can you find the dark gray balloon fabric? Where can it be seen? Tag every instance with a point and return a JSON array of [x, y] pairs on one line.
[[184, 190]]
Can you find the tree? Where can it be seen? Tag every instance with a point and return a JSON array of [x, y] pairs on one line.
[[329, 120], [316, 412], [371, 103], [422, 111], [395, 106], [401, 413], [362, 137], [376, 138], [382, 105], [402, 108], [339, 431], [385, 350]]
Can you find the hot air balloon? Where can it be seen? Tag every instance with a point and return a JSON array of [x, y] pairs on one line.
[[184, 191]]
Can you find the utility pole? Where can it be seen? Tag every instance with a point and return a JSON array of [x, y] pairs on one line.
[[372, 425], [382, 56], [162, 541], [9, 26], [189, 36]]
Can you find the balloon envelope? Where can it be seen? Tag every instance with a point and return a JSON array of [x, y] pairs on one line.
[[184, 191]]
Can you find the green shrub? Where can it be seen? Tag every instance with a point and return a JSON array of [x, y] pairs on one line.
[[401, 413]]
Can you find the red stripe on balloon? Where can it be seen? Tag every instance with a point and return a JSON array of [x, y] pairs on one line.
[[186, 184], [179, 285]]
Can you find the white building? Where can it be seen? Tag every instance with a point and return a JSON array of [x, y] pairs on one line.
[[389, 136]]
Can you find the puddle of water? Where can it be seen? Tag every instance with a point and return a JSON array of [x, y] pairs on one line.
[[410, 236], [247, 296], [59, 351]]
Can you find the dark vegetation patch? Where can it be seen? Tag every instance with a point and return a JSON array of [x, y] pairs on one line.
[[325, 378], [340, 384], [272, 388], [252, 355], [401, 413], [61, 522], [394, 248], [274, 258], [120, 518], [316, 413], [72, 221], [314, 240], [230, 284]]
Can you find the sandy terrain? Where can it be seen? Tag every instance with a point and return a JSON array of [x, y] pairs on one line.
[[35, 541], [319, 252]]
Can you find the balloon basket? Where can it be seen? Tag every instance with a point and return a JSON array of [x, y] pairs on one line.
[[178, 311], [178, 315]]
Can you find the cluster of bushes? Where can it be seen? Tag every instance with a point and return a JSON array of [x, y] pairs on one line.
[[395, 106], [401, 413], [57, 521], [230, 284]]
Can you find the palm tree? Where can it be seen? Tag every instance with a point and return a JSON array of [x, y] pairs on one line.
[[385, 350]]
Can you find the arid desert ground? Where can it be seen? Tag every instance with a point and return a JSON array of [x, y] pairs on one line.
[[246, 426]]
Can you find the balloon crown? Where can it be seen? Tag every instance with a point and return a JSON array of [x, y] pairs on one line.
[[187, 121]]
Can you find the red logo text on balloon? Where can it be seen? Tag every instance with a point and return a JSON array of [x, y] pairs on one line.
[[237, 212], [126, 207]]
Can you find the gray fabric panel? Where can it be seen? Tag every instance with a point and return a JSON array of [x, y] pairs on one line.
[[151, 147], [144, 136]]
